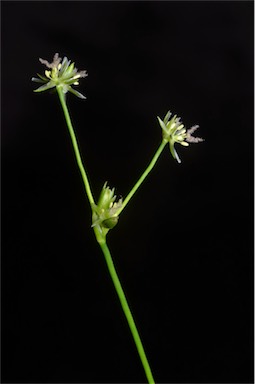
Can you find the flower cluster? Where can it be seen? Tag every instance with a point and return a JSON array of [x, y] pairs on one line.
[[174, 132], [105, 212], [60, 75]]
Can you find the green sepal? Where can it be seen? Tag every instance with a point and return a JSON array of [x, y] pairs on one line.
[[162, 124], [45, 87], [71, 81], [174, 153], [70, 69], [167, 117], [76, 93], [64, 65], [37, 80], [106, 197], [43, 77]]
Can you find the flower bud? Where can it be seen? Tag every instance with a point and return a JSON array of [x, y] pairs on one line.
[[104, 212]]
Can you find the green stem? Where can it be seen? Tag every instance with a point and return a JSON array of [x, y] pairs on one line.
[[144, 175], [101, 239], [127, 311], [75, 145]]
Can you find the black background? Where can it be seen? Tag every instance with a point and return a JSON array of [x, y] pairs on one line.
[[183, 246]]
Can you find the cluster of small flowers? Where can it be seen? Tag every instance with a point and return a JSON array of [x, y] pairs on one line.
[[174, 132], [60, 75], [105, 212]]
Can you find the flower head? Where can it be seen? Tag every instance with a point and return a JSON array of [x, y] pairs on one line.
[[60, 75], [104, 212], [174, 132]]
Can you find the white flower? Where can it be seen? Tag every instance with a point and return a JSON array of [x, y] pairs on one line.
[[60, 75], [174, 132]]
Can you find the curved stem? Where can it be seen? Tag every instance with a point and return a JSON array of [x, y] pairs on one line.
[[75, 145], [144, 175], [127, 312]]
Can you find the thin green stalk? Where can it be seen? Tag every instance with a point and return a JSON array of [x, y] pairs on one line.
[[127, 311], [104, 247], [75, 145], [144, 175]]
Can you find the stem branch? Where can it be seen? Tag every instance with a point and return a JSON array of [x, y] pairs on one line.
[[101, 239], [75, 145], [144, 175]]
